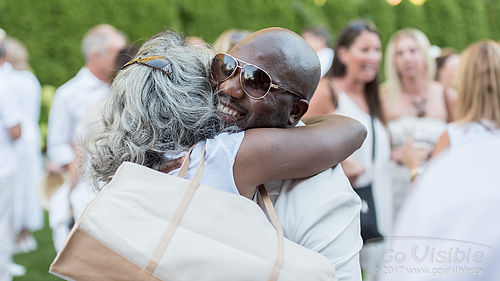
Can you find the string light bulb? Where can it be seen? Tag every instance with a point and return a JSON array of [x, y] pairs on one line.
[[320, 3], [393, 2], [417, 2]]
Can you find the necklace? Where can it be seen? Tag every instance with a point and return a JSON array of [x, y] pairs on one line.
[[419, 105]]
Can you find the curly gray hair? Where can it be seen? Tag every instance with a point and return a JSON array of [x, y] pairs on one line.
[[149, 113]]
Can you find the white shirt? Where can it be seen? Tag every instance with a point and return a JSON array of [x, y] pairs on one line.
[[452, 210], [460, 134], [10, 116], [28, 94], [68, 106], [321, 213]]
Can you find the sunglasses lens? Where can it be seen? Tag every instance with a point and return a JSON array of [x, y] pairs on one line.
[[158, 63], [223, 67], [255, 81]]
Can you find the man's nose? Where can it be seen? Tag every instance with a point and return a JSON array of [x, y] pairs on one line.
[[232, 87]]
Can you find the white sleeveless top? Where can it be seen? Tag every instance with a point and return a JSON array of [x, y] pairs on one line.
[[376, 172], [460, 134], [220, 153], [425, 132]]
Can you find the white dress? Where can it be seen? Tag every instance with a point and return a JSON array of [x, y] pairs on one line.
[[28, 212], [377, 173], [425, 133], [220, 153]]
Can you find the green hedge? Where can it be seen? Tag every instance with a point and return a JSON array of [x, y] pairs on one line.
[[445, 24], [492, 15], [475, 19], [53, 29]]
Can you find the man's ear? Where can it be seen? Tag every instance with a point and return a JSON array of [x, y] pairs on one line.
[[298, 110]]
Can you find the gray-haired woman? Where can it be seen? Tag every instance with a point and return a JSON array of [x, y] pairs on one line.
[[163, 102]]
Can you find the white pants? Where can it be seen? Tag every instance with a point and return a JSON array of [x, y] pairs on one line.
[[7, 189], [60, 214]]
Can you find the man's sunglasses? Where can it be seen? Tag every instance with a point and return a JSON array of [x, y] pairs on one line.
[[255, 82], [155, 62]]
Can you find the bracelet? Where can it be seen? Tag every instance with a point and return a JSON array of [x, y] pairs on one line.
[[414, 172]]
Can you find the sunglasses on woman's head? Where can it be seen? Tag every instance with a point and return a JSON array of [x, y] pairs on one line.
[[155, 62], [255, 82]]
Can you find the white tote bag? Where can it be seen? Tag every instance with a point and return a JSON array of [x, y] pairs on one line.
[[148, 225]]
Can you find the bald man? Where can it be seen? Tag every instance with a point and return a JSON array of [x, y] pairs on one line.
[[321, 212]]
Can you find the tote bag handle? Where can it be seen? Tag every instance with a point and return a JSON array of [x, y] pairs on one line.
[[188, 196]]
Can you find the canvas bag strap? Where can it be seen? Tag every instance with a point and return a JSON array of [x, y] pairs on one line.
[[278, 263], [185, 163], [181, 210]]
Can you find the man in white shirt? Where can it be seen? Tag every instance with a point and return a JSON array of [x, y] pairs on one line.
[[321, 212], [100, 47], [10, 131]]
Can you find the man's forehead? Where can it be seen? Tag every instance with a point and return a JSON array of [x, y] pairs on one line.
[[251, 56], [269, 43], [257, 52]]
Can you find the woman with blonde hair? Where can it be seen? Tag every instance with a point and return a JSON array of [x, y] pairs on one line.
[[416, 106], [353, 90], [478, 103]]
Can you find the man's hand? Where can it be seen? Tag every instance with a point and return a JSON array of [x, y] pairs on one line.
[[54, 169], [171, 165], [15, 132], [411, 155]]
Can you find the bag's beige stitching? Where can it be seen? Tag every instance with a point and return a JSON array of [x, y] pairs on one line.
[[179, 214]]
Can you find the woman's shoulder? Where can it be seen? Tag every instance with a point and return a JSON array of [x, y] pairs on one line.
[[440, 90], [227, 141]]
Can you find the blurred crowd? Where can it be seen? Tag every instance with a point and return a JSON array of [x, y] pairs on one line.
[[426, 165]]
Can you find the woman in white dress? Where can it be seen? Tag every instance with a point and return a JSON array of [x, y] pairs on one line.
[[417, 107], [478, 103], [28, 212], [355, 83]]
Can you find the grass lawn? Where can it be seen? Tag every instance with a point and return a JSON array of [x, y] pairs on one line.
[[37, 262]]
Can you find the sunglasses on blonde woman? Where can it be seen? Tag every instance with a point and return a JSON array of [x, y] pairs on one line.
[[255, 82]]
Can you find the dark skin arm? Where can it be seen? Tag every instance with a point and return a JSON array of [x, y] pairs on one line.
[[272, 154]]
